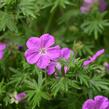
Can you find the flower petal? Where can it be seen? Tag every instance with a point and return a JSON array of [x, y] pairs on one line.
[[33, 43], [102, 5], [87, 62], [21, 96], [58, 66], [93, 58], [89, 104], [100, 52], [89, 1], [43, 62], [84, 9], [47, 40], [65, 53], [66, 69], [54, 52], [101, 102], [51, 68], [32, 56], [1, 54], [2, 46]]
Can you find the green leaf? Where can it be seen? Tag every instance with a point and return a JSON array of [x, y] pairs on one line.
[[63, 85], [2, 88], [27, 7], [95, 25], [99, 84], [35, 91], [61, 3], [7, 20]]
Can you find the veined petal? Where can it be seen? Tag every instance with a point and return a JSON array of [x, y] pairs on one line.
[[2, 46], [54, 52], [32, 56], [65, 53], [43, 62], [47, 40], [89, 104], [101, 102], [33, 43], [51, 68]]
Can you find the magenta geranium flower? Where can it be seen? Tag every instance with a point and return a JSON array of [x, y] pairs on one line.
[[2, 47], [65, 54], [94, 57], [41, 50], [99, 102]]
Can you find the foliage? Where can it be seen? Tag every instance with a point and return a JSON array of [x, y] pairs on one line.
[[82, 33]]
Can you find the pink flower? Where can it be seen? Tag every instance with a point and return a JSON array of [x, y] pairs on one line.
[[94, 57], [20, 96], [17, 97], [99, 102], [90, 1], [2, 47], [106, 65], [102, 5], [40, 50], [85, 9], [65, 54], [87, 5]]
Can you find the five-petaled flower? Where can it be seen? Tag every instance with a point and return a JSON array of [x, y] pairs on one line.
[[41, 50]]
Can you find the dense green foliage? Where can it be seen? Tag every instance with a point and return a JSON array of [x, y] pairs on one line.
[[82, 33]]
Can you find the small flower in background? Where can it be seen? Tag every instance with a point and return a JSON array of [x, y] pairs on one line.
[[17, 97], [2, 47], [87, 5], [20, 47], [93, 58], [20, 96], [55, 65], [66, 69], [102, 5], [99, 102], [40, 50], [106, 65]]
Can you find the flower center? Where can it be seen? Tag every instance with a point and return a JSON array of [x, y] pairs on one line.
[[43, 51]]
